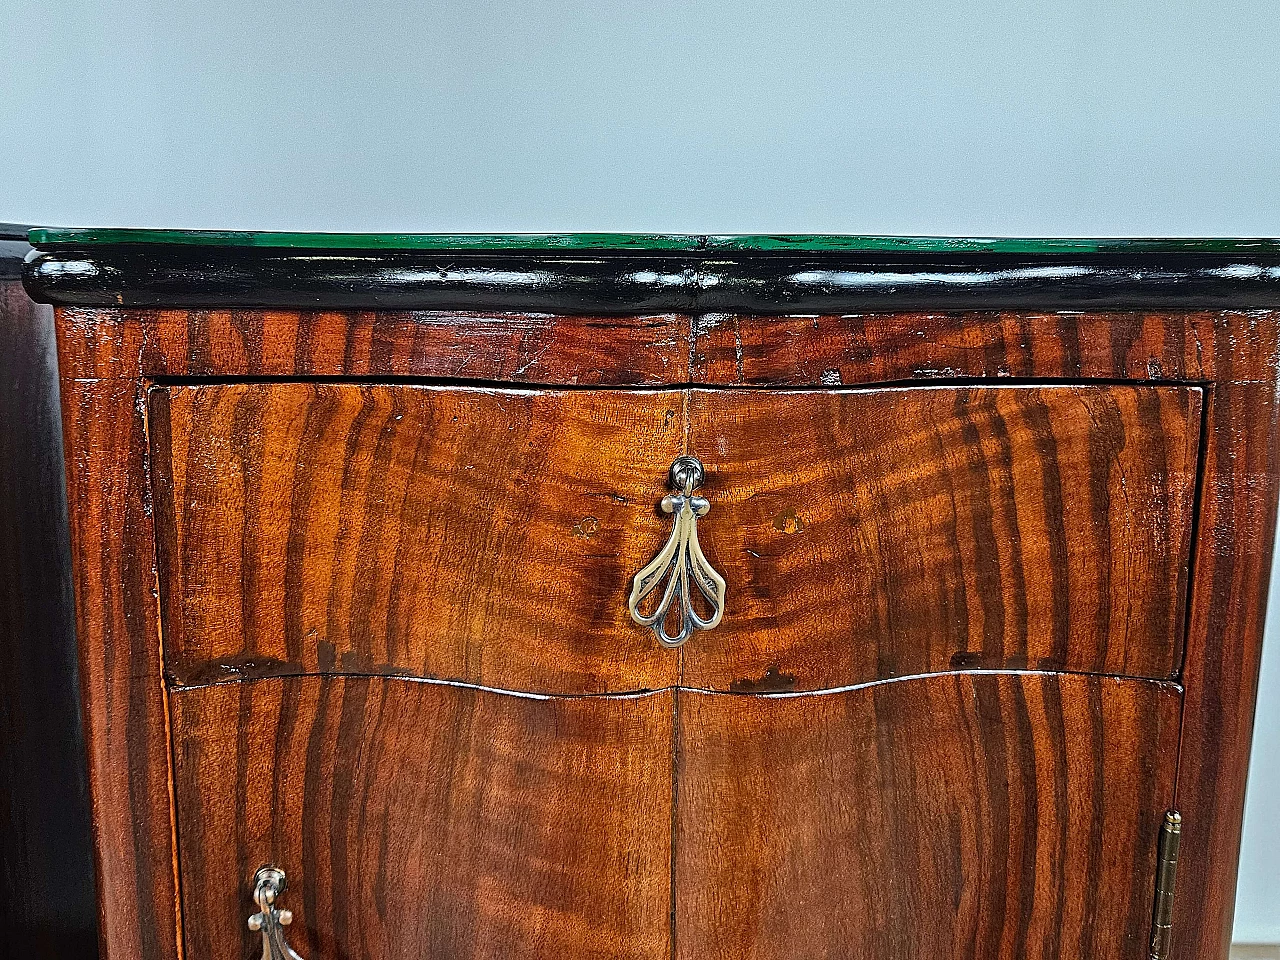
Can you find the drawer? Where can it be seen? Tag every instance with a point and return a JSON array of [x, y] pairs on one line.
[[490, 536]]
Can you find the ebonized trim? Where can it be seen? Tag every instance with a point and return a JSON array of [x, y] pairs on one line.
[[167, 275], [12, 254], [13, 249]]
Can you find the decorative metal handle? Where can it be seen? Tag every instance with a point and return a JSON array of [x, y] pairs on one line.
[[681, 560], [268, 884]]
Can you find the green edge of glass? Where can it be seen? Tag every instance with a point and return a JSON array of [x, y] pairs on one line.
[[815, 243], [60, 236], [44, 237]]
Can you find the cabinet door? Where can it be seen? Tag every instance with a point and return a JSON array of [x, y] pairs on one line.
[[970, 815], [425, 820]]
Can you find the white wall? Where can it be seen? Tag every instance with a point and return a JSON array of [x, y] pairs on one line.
[[979, 117]]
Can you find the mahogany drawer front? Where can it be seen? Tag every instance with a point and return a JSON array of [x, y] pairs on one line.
[[997, 815], [490, 535]]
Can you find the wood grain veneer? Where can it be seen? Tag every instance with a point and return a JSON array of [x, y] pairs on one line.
[[972, 815], [490, 535], [111, 357], [474, 534], [870, 534], [473, 345], [122, 690], [426, 820]]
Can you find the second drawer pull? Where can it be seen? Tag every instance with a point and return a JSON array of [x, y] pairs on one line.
[[270, 921]]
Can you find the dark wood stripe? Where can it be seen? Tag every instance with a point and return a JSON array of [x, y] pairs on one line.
[[986, 545], [247, 449], [1055, 532], [1029, 774], [1096, 937], [1107, 482], [1055, 718], [1016, 647], [303, 489]]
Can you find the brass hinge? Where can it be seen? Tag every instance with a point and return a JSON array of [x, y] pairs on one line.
[[1166, 876]]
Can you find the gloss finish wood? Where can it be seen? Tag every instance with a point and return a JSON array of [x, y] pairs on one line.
[[469, 534], [623, 280], [123, 697], [882, 533], [486, 535], [984, 815], [1226, 358], [454, 821], [47, 907]]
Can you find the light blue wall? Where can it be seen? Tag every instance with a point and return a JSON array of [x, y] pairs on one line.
[[1258, 898], [1060, 118]]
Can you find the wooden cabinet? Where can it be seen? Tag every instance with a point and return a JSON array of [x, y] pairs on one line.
[[352, 587]]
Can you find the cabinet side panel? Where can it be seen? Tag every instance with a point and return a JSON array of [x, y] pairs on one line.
[[1224, 641], [122, 693], [46, 871]]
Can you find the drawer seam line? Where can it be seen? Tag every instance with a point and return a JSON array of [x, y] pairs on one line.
[[678, 688]]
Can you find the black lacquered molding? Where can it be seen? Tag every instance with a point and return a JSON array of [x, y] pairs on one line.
[[989, 282], [151, 276], [172, 275]]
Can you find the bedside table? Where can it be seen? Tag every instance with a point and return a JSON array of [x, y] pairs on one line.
[[641, 597]]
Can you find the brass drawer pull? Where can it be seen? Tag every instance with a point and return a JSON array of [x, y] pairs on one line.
[[268, 884], [678, 562]]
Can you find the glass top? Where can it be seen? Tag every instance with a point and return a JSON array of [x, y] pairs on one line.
[[623, 242]]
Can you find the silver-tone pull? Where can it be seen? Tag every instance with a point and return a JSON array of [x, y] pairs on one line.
[[681, 560], [269, 883]]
